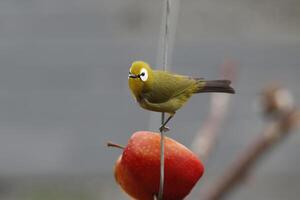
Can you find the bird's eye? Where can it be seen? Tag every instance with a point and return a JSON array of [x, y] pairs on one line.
[[144, 75]]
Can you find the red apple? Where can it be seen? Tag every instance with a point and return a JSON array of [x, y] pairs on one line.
[[129, 184], [138, 168]]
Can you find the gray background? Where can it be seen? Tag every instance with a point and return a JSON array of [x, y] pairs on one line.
[[63, 89]]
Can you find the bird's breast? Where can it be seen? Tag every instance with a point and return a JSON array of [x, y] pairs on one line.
[[135, 87]]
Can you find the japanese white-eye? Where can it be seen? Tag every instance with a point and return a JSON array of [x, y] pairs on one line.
[[162, 91]]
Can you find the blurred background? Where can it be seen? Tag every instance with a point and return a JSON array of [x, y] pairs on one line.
[[64, 93]]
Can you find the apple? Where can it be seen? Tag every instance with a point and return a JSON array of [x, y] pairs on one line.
[[138, 168]]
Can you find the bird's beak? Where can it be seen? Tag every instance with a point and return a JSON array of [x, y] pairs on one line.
[[133, 76]]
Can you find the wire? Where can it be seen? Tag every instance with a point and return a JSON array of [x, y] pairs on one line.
[[162, 134]]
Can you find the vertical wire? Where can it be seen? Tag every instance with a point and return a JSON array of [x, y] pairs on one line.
[[166, 36], [162, 134]]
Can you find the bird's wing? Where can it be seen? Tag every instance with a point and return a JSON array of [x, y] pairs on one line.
[[167, 86]]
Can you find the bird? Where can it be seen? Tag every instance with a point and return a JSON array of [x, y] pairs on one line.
[[166, 92]]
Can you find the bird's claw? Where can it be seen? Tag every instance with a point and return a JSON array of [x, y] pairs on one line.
[[164, 129]]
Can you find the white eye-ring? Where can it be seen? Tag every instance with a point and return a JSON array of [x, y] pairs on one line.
[[144, 74]]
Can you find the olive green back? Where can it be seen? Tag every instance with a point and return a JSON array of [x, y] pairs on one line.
[[167, 85]]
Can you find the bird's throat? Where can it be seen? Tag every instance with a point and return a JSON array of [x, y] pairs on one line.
[[136, 87]]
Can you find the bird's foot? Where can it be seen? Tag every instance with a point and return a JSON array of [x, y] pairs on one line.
[[164, 129]]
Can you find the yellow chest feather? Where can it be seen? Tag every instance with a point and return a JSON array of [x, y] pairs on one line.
[[136, 87]]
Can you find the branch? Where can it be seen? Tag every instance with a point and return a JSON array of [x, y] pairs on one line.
[[287, 118], [205, 139]]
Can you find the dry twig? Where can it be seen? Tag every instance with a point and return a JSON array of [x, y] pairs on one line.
[[287, 118], [206, 137]]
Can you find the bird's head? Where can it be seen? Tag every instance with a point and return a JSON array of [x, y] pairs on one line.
[[140, 77]]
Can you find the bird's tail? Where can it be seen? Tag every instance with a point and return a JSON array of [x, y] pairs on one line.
[[222, 86]]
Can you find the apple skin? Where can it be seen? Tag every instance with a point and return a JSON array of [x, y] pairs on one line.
[[129, 184], [138, 169]]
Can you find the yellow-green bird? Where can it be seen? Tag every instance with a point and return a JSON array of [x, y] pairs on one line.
[[162, 91]]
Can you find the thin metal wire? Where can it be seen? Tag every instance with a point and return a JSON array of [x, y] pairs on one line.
[[162, 134], [166, 36], [162, 160]]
